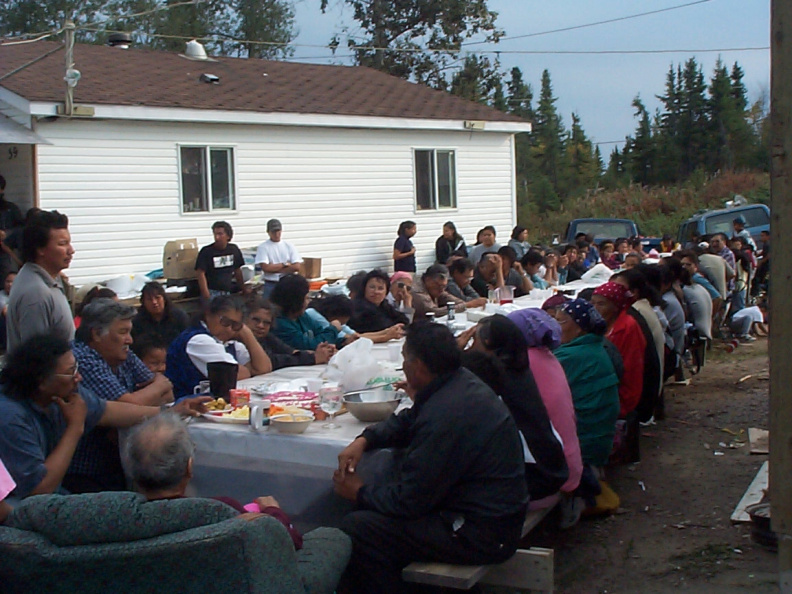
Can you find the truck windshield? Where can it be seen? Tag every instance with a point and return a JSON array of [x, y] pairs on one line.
[[605, 229]]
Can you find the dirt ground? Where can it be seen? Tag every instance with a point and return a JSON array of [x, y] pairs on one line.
[[676, 534]]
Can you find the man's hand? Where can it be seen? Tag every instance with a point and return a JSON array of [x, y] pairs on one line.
[[74, 410], [464, 338], [192, 407], [350, 338], [162, 383], [324, 352], [350, 456], [347, 485], [267, 501], [405, 387], [478, 302], [395, 332]]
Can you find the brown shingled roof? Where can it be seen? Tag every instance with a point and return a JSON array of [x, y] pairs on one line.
[[112, 76]]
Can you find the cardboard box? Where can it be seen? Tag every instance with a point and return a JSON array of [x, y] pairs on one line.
[[178, 258], [311, 267]]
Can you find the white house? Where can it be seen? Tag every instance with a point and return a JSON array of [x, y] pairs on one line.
[[155, 150]]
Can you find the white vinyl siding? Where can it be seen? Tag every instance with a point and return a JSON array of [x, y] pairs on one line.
[[339, 193]]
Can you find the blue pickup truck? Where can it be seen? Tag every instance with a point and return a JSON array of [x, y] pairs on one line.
[[611, 229]]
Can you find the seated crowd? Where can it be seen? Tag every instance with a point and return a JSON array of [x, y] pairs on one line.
[[521, 411]]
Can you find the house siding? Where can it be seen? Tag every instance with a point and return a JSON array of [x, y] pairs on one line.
[[339, 193]]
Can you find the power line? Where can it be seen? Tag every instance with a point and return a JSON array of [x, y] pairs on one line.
[[584, 26]]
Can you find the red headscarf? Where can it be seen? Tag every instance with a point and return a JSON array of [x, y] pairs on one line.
[[616, 292]]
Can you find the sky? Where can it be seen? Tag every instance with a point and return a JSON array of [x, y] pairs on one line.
[[598, 87]]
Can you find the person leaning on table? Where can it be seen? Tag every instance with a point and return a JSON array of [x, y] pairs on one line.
[[460, 496], [44, 411]]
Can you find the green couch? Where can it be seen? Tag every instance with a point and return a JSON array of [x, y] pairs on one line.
[[119, 542]]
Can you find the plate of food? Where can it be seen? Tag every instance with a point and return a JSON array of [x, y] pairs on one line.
[[237, 416], [218, 405]]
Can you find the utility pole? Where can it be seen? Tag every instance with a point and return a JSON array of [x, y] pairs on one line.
[[781, 293], [68, 26]]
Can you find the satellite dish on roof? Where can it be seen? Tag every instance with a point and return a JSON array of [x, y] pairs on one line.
[[196, 51]]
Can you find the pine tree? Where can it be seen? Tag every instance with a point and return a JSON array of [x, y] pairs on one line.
[[548, 145], [639, 151]]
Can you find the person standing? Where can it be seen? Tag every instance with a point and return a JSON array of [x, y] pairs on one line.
[[403, 248], [219, 264], [276, 258], [39, 305]]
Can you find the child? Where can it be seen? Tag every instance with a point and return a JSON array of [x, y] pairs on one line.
[[151, 349]]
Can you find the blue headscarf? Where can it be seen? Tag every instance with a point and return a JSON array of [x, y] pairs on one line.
[[585, 315]]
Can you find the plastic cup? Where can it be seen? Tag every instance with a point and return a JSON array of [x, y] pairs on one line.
[[394, 352], [314, 384]]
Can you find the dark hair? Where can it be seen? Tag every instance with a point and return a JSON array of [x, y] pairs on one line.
[[620, 241], [486, 366], [355, 283], [568, 248], [36, 234], [224, 303], [404, 225], [376, 273], [289, 294], [674, 265], [605, 243], [435, 346], [502, 337], [580, 235], [582, 243], [457, 236], [516, 232], [146, 343], [689, 254], [2, 183], [96, 292], [460, 266], [225, 227], [532, 258], [153, 289], [31, 363], [508, 252], [255, 303], [334, 307], [99, 315], [586, 294], [434, 271], [640, 285], [31, 213], [653, 275]]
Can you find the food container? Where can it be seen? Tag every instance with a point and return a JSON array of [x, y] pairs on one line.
[[372, 406], [239, 397], [292, 422]]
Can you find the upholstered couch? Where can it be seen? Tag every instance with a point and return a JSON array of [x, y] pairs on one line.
[[119, 542]]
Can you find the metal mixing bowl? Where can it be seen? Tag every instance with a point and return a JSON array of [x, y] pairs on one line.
[[370, 412]]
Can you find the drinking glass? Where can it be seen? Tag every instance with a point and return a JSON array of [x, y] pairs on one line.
[[330, 400]]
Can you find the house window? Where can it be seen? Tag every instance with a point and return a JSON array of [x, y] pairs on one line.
[[435, 179], [207, 178]]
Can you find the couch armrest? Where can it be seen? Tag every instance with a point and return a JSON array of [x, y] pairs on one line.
[[323, 559]]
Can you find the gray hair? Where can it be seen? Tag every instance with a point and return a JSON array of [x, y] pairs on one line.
[[157, 453], [99, 315]]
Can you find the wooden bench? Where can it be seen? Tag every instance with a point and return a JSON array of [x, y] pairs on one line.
[[528, 570]]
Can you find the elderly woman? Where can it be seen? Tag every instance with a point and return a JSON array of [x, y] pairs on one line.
[[400, 293], [157, 315], [220, 337], [372, 311], [459, 285], [546, 469], [543, 334], [591, 377], [431, 297], [613, 300]]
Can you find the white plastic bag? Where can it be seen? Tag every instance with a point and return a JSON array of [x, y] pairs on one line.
[[354, 365]]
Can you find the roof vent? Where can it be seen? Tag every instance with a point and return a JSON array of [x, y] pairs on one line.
[[210, 79], [195, 51], [120, 40]]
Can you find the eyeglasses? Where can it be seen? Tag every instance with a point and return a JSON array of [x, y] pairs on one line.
[[73, 373], [229, 323], [404, 286]]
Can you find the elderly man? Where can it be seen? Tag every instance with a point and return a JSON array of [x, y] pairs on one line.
[[460, 495], [112, 372], [276, 258], [38, 304], [219, 264], [44, 411], [158, 459]]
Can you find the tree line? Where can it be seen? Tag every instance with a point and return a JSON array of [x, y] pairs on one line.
[[702, 127]]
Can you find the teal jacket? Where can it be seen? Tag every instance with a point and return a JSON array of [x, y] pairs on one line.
[[305, 333], [595, 394]]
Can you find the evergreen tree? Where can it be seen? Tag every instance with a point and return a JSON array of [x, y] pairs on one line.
[[19, 17], [639, 151], [582, 163], [548, 133], [479, 80]]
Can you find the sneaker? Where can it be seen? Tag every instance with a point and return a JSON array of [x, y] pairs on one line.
[[747, 338], [649, 423], [571, 508]]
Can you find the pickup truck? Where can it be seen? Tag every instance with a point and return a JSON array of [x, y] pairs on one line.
[[608, 229]]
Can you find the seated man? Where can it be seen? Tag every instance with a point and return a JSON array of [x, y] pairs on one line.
[[158, 459], [471, 512], [532, 262], [44, 411], [112, 372], [488, 275]]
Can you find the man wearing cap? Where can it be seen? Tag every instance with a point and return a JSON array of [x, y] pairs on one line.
[[276, 258], [741, 232]]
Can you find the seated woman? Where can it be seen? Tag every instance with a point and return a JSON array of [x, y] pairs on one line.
[[431, 297], [449, 243], [372, 311], [258, 317], [591, 377], [220, 336], [400, 293], [295, 327], [546, 469], [461, 273], [543, 334], [157, 315], [519, 242]]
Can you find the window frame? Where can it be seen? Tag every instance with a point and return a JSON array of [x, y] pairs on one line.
[[434, 170], [207, 149]]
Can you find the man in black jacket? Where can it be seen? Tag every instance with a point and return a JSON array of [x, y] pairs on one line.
[[460, 493]]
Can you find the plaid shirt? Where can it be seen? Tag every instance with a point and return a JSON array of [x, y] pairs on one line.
[[97, 453]]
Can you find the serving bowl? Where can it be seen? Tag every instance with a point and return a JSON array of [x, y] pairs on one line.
[[371, 406], [292, 423]]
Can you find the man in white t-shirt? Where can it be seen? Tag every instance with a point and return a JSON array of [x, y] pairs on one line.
[[747, 319], [276, 258]]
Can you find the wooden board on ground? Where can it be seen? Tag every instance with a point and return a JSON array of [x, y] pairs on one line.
[[760, 440], [754, 494]]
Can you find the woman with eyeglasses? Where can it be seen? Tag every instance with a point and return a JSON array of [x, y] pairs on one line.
[[221, 336]]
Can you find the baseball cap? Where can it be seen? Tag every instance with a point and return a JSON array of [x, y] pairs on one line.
[[274, 225]]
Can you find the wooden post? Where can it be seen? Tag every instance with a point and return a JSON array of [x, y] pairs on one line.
[[781, 287]]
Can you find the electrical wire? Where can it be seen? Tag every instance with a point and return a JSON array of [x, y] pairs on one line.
[[39, 38], [145, 12]]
